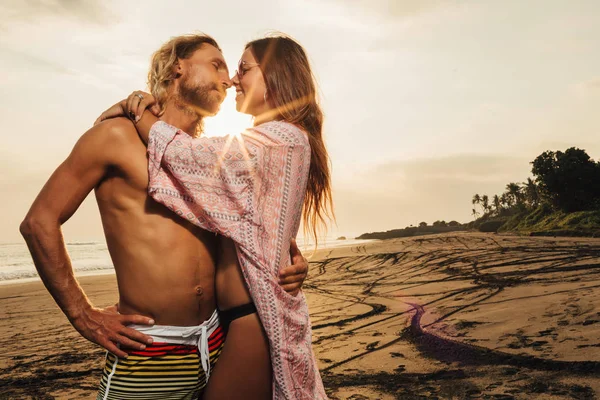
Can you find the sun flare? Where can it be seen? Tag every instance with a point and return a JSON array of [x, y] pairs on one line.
[[228, 121]]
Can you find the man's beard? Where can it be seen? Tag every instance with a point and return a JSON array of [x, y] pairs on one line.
[[199, 97]]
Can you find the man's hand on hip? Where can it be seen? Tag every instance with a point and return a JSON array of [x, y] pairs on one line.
[[107, 328]]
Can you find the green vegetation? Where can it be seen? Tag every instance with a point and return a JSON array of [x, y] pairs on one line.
[[544, 221], [562, 199], [422, 229]]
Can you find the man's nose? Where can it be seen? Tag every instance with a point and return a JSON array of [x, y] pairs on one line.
[[226, 82]]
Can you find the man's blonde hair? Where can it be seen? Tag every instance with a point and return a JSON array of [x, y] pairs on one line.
[[164, 60]]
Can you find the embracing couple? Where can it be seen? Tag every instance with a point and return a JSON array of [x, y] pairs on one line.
[[200, 230]]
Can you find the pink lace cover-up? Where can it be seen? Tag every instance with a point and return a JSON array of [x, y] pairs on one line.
[[249, 188]]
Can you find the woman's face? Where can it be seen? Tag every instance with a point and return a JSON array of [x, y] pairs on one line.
[[250, 87]]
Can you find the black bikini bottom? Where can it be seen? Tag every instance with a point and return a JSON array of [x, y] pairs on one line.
[[228, 316]]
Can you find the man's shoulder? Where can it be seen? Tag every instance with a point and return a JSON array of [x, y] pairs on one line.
[[121, 130], [112, 141]]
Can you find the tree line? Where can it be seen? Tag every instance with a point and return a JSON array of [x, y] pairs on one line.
[[566, 181]]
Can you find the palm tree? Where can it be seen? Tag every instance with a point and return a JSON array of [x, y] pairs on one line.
[[497, 204], [485, 203], [514, 194], [475, 213], [532, 196], [504, 200]]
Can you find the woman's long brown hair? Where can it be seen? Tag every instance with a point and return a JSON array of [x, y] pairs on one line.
[[292, 90]]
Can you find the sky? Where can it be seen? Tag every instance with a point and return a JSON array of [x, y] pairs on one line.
[[426, 102]]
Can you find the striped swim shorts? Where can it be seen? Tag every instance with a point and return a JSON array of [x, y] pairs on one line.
[[176, 366]]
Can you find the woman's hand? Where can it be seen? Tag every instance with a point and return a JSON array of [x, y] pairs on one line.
[[132, 107], [139, 101], [118, 110]]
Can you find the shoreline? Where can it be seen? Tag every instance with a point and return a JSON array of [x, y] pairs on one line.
[[466, 315], [99, 271], [78, 275]]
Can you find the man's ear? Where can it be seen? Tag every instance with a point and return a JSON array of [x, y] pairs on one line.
[[177, 69]]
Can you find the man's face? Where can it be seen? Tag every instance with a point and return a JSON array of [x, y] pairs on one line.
[[203, 80]]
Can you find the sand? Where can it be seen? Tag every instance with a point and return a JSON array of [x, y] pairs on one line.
[[451, 316]]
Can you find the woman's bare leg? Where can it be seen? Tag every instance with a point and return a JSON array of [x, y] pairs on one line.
[[243, 370]]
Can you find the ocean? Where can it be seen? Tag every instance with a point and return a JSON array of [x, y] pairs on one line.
[[88, 258], [91, 258]]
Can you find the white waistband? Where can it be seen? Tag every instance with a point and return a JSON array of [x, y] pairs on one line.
[[191, 335]]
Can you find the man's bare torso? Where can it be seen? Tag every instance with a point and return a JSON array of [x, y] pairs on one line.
[[165, 266]]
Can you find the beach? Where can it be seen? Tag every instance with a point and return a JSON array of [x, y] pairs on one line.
[[449, 316]]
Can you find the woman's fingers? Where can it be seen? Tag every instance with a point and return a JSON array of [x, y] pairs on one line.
[[155, 109], [114, 111], [128, 112], [142, 104], [139, 101], [147, 101], [132, 102]]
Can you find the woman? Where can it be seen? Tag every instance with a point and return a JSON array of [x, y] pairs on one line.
[[255, 192]]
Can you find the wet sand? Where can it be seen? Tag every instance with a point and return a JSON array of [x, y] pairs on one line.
[[451, 316]]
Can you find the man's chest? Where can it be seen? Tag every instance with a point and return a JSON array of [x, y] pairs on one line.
[[128, 179]]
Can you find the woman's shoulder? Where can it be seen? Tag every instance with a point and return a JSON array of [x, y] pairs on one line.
[[283, 133]]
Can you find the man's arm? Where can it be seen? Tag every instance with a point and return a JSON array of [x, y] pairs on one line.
[[66, 189]]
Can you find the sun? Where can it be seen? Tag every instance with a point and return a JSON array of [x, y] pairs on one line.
[[228, 121]]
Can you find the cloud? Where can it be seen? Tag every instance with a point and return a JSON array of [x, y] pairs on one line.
[[594, 83], [397, 194], [30, 11], [587, 86], [29, 60], [393, 9], [461, 167]]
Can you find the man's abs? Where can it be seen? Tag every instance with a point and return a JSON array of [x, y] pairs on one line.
[[165, 266]]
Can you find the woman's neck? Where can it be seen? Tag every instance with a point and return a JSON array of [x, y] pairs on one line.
[[267, 116]]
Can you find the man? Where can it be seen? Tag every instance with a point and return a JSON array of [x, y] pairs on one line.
[[165, 266]]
